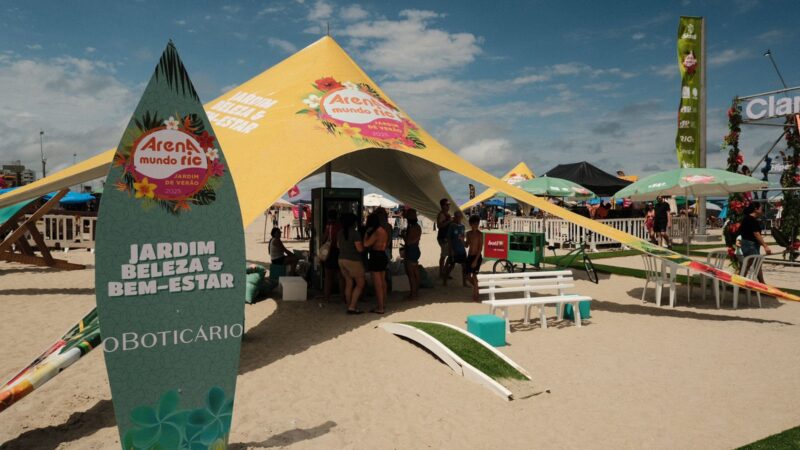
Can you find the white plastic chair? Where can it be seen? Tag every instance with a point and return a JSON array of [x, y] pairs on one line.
[[653, 274], [715, 259], [751, 265]]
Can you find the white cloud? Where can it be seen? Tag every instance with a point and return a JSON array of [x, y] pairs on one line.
[[488, 152], [601, 87], [409, 47], [271, 9], [34, 46], [89, 49], [281, 44], [638, 36], [666, 71], [530, 79], [79, 104], [353, 13], [727, 56], [556, 71], [321, 10], [774, 35], [180, 22]]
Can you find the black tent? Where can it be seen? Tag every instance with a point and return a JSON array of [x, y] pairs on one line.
[[601, 183]]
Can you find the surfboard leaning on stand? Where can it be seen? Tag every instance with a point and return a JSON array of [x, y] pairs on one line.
[[170, 272]]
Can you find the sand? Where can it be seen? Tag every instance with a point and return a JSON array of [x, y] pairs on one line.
[[634, 376]]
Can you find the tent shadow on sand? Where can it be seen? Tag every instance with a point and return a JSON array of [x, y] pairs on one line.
[[286, 339]]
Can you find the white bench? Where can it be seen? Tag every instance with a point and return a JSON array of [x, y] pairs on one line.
[[522, 285]]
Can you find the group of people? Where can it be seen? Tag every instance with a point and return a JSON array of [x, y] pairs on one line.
[[658, 221], [349, 249], [458, 246], [301, 222]]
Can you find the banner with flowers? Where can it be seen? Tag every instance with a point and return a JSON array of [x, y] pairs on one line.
[[690, 59], [358, 111], [170, 272]]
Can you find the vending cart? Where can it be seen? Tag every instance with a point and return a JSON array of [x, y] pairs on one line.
[[513, 251]]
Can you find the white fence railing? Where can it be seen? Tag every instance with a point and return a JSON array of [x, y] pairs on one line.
[[67, 230], [559, 231]]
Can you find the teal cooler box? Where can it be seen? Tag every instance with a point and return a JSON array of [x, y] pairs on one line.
[[490, 328], [585, 309]]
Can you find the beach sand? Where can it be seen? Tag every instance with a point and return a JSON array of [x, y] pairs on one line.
[[312, 377]]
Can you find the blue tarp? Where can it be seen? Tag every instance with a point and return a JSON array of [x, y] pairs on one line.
[[72, 198]]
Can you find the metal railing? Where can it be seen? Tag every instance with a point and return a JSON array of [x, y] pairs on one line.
[[559, 231]]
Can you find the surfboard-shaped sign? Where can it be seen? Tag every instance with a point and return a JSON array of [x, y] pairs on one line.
[[170, 272]]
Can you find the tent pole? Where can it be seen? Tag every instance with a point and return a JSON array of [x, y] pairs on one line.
[[328, 175]]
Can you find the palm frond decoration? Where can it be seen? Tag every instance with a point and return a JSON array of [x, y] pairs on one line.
[[148, 121], [172, 70]]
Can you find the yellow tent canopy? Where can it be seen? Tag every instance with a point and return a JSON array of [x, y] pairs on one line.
[[521, 172], [318, 107]]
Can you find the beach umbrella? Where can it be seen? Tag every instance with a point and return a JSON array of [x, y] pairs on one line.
[[555, 187], [696, 181], [375, 200]]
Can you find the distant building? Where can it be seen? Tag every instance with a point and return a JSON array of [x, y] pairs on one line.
[[15, 174]]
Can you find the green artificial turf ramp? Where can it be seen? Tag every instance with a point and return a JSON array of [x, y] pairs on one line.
[[470, 351], [789, 439]]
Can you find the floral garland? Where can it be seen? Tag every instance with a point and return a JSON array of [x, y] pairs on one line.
[[323, 86], [144, 189], [790, 178], [737, 202]]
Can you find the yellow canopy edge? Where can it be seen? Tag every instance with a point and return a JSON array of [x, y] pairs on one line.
[[521, 172]]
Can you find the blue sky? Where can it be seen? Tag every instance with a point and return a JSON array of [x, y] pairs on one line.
[[498, 82]]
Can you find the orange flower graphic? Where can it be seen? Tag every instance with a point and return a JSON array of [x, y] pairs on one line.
[[144, 188], [347, 130]]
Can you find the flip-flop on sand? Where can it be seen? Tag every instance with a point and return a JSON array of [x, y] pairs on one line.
[[375, 311], [355, 311]]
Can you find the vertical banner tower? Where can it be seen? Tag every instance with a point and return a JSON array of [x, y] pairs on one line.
[[170, 272], [690, 141]]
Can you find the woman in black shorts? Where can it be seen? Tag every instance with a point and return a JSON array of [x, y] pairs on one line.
[[375, 241]]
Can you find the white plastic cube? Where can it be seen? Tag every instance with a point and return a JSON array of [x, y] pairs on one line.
[[293, 288]]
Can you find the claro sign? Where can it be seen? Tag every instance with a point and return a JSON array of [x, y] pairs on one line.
[[771, 106]]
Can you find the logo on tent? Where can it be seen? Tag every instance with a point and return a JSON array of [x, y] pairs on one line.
[[517, 178], [172, 162], [359, 112]]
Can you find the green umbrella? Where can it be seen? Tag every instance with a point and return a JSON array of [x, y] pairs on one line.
[[690, 181], [555, 187]]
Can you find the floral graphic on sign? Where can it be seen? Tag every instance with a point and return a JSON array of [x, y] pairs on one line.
[[167, 427], [358, 111], [171, 163]]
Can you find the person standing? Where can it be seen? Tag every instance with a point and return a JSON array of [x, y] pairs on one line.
[[331, 263], [474, 259], [649, 221], [457, 253], [376, 240], [750, 232], [350, 249], [662, 221], [411, 237], [443, 222]]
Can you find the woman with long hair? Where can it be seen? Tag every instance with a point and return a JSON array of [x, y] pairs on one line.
[[376, 240], [352, 269]]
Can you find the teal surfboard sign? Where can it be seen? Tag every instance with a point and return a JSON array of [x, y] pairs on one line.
[[170, 274]]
